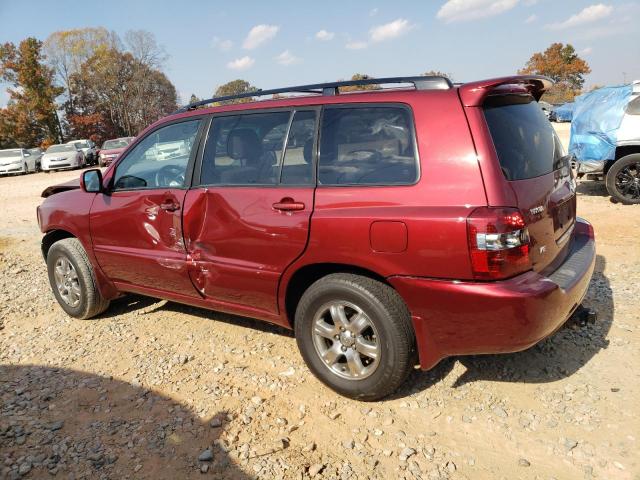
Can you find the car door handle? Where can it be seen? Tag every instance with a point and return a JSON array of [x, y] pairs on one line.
[[288, 205], [170, 206]]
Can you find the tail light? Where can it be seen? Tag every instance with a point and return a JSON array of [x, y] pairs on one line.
[[498, 243]]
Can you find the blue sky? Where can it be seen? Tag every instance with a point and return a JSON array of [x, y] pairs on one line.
[[279, 43]]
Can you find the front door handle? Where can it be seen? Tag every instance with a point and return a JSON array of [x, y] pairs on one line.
[[170, 206], [288, 204]]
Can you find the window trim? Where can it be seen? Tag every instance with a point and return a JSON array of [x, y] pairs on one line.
[[352, 105], [188, 174], [197, 171]]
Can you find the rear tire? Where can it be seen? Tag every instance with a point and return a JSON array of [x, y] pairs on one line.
[[73, 281], [623, 179], [373, 352]]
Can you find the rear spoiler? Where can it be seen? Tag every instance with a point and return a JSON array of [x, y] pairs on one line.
[[473, 94]]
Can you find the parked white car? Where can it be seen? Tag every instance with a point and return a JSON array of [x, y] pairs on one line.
[[88, 148], [63, 156], [37, 153], [17, 160]]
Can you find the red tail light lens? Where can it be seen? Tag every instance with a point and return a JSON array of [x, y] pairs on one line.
[[498, 243]]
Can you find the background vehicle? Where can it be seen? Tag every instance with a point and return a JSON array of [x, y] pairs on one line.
[[88, 149], [37, 156], [562, 113], [17, 160], [605, 139], [111, 149], [547, 108], [66, 155], [387, 228]]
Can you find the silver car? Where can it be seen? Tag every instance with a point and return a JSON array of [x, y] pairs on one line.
[[88, 148], [58, 157], [16, 160]]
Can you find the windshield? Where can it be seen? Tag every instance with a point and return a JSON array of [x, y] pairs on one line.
[[35, 150], [9, 153], [117, 143], [61, 148], [82, 144]]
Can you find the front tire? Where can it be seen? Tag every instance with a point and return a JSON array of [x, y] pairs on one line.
[[623, 179], [356, 336], [73, 281]]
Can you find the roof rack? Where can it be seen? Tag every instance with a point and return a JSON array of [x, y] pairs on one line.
[[332, 88]]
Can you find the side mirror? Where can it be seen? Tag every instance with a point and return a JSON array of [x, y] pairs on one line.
[[91, 181]]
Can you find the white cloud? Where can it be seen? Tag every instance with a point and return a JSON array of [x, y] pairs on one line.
[[390, 30], [286, 58], [586, 51], [531, 18], [258, 35], [464, 10], [356, 45], [220, 44], [325, 36], [241, 63], [590, 14]]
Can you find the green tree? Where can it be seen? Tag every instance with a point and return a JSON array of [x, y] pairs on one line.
[[193, 98], [235, 87], [30, 117], [562, 64]]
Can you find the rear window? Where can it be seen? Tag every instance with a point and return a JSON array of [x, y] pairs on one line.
[[367, 146], [526, 144]]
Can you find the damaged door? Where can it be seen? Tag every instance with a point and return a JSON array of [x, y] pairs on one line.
[[136, 227], [247, 218]]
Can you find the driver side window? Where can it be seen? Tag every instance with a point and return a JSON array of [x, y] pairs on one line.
[[159, 160]]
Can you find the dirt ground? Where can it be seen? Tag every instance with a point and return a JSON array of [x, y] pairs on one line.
[[152, 389]]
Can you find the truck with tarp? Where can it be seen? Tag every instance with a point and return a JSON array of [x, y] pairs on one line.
[[605, 139]]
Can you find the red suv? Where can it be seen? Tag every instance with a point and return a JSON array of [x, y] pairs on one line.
[[387, 228]]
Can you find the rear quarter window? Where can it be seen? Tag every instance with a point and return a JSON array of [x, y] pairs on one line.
[[525, 142], [372, 145]]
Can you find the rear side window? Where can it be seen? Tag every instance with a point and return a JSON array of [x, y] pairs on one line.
[[525, 141], [367, 146]]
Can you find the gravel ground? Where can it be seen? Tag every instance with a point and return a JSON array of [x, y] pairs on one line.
[[158, 390]]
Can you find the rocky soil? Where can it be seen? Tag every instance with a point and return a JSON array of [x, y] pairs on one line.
[[158, 390]]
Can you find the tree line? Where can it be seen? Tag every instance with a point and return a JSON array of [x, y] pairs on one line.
[[90, 83], [82, 83]]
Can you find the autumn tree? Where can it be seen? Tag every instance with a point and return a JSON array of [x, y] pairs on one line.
[[30, 117], [235, 87], [67, 50], [437, 73], [359, 76], [118, 95], [562, 64]]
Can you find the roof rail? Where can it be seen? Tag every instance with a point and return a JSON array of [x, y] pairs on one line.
[[332, 88]]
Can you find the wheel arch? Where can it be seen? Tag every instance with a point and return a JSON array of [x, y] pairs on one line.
[[306, 275], [53, 236]]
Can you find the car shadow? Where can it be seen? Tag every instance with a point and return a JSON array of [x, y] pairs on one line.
[[592, 188], [73, 424], [144, 305], [557, 357]]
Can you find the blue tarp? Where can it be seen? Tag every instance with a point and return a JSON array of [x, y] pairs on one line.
[[596, 118], [564, 113]]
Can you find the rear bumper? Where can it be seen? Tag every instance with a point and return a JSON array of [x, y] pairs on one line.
[[465, 318]]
